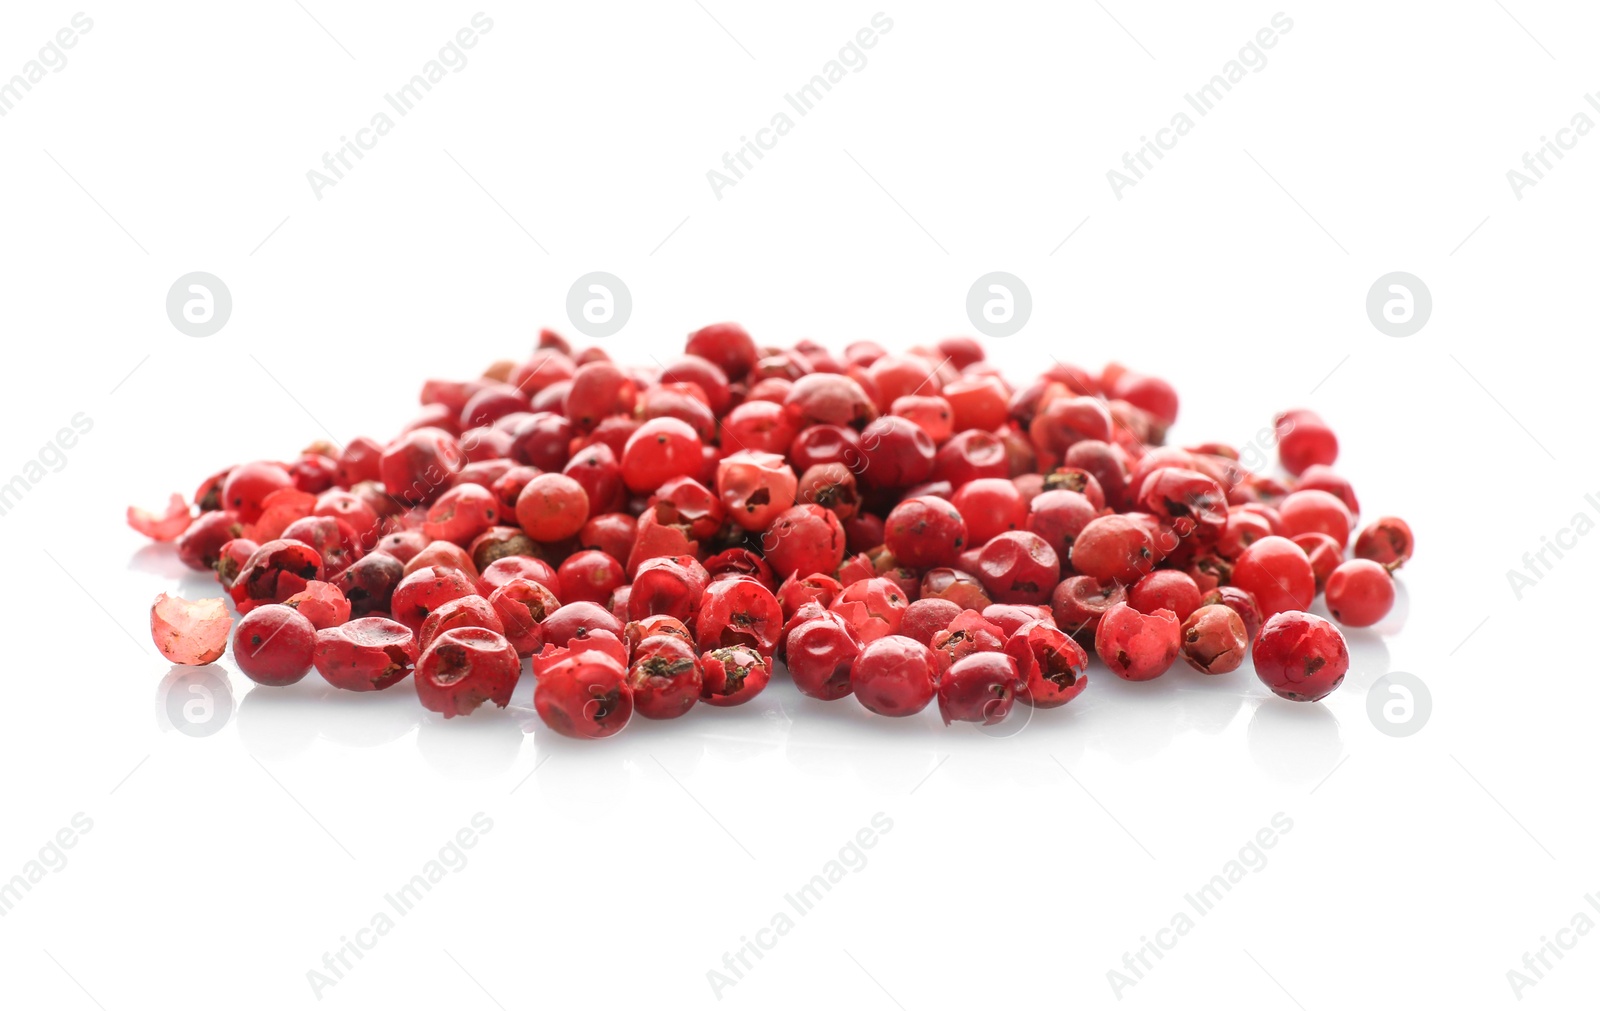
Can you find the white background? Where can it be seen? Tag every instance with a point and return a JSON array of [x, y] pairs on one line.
[[1018, 871]]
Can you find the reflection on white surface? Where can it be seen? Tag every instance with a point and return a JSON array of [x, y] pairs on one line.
[[1294, 742]]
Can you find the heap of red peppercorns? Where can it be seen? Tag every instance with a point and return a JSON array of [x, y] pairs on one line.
[[896, 527]]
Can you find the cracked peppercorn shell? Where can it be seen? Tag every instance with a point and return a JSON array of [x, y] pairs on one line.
[[1137, 647], [365, 655], [1213, 639], [464, 668]]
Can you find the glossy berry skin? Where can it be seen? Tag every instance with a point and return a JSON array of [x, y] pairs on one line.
[[200, 544], [1360, 593], [365, 655], [1137, 647], [1278, 574], [1050, 664], [924, 532], [1300, 656], [1010, 617], [1059, 516], [1243, 603], [247, 485], [980, 688], [739, 612], [464, 668], [1303, 440], [990, 506], [969, 633], [659, 450], [898, 453], [1114, 548], [1165, 588], [1213, 639], [804, 540], [552, 507], [586, 695], [273, 645], [1386, 541], [894, 676], [590, 575], [425, 591], [1313, 511], [1018, 567], [819, 653], [1323, 552], [670, 585], [570, 621], [502, 570], [733, 675], [665, 677], [1079, 602]]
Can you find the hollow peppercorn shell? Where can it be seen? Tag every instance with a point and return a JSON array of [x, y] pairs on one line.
[[464, 668], [365, 655], [190, 632]]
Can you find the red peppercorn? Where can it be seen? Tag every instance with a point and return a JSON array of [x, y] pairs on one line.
[[1243, 603], [804, 540], [1278, 574], [365, 655], [665, 677], [873, 607], [584, 695], [471, 611], [894, 676], [1050, 664], [1079, 602], [1386, 541], [738, 612], [464, 668], [1114, 548], [522, 606], [1303, 440], [1165, 588], [1300, 656], [925, 532], [189, 632], [552, 507], [1018, 567], [733, 675], [273, 645], [819, 653], [322, 603], [1137, 647], [979, 688], [1213, 639], [1360, 592], [425, 591]]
